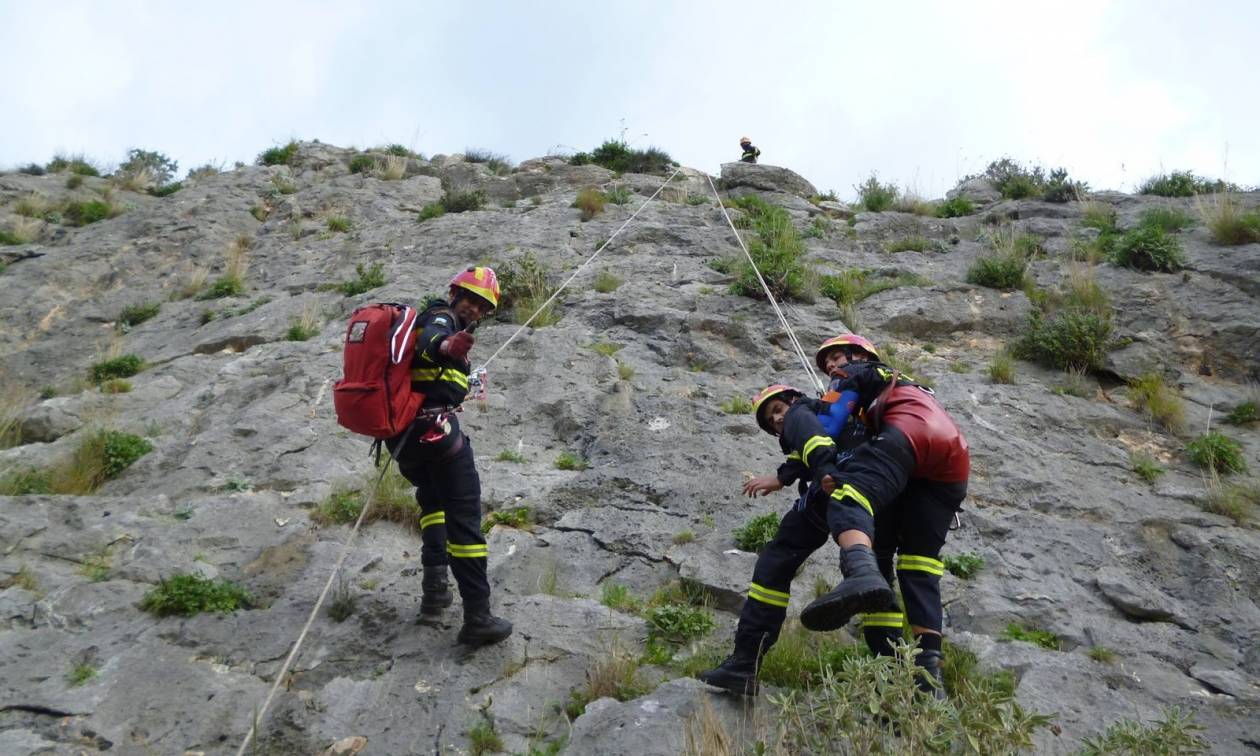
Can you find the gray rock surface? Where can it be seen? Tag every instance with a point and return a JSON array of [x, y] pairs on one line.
[[246, 445], [766, 178]]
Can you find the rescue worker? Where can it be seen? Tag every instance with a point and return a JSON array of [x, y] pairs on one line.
[[750, 153], [437, 458], [801, 531], [907, 480]]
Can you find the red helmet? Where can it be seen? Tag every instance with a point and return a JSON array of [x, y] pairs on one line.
[[769, 392], [845, 339], [480, 281]]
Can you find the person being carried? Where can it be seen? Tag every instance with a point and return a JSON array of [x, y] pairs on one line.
[[750, 153], [437, 458], [907, 480]]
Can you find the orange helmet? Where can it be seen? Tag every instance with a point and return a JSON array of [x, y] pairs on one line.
[[845, 339], [768, 393], [480, 281]]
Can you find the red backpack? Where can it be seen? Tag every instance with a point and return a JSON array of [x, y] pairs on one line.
[[374, 396]]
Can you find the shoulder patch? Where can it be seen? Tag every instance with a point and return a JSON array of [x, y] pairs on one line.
[[441, 320]]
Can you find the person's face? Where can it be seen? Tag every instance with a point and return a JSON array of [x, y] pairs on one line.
[[471, 308], [776, 410], [837, 358]]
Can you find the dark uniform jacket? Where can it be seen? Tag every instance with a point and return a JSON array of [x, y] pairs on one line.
[[444, 380]]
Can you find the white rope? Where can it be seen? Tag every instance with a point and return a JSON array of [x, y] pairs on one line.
[[345, 549], [588, 261], [796, 344]]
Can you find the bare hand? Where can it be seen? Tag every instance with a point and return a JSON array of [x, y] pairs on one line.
[[762, 485], [827, 484]]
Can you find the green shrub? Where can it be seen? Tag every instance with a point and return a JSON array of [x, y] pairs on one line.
[[120, 451], [618, 597], [1099, 216], [392, 501], [32, 169], [616, 155], [1217, 452], [10, 238], [606, 282], [606, 348], [166, 190], [1243, 414], [1237, 501], [1004, 272], [279, 155], [570, 461], [854, 285], [875, 197], [1149, 248], [76, 164], [523, 290], [683, 537], [737, 405], [1182, 184], [362, 163], [818, 228], [397, 150], [964, 565], [338, 224], [366, 279], [300, 332], [520, 518], [79, 674], [955, 208], [1170, 219], [186, 595], [83, 213], [1145, 466], [430, 211], [1102, 655], [123, 366], [1043, 638], [678, 623], [508, 455], [1002, 368], [483, 739], [1014, 181], [462, 202], [26, 481], [159, 167], [620, 195], [1228, 224], [778, 252], [226, 285], [591, 202], [757, 532], [498, 163], [1061, 189], [134, 315], [1158, 401], [1174, 733], [1072, 338], [907, 244]]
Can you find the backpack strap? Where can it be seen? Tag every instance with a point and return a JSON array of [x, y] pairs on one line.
[[875, 417]]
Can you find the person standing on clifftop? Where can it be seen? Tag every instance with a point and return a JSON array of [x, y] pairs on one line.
[[437, 458], [750, 153]]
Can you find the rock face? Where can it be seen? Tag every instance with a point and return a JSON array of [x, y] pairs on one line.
[[632, 379]]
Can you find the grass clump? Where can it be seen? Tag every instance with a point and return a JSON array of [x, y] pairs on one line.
[[83, 213], [757, 532], [964, 565], [1173, 733], [851, 286], [1158, 401], [683, 537], [591, 202], [875, 197], [224, 286], [778, 252], [1145, 466], [1228, 224], [26, 482], [1003, 272], [1015, 181], [570, 461], [1099, 216], [115, 386], [1169, 219], [509, 455], [955, 208], [907, 244], [362, 164], [620, 195], [614, 674], [520, 518], [483, 739], [339, 224], [1042, 638], [618, 597], [1237, 501], [279, 155], [1243, 414], [79, 674], [1102, 655], [606, 348], [365, 279], [523, 290], [498, 163], [1002, 368], [1217, 452], [624, 372], [1070, 329], [1149, 247], [76, 164], [187, 595], [123, 366], [616, 155], [392, 501], [431, 211], [134, 315], [1182, 184], [606, 282], [737, 405]]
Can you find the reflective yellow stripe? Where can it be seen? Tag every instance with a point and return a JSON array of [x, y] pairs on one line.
[[794, 457], [437, 518], [852, 493], [768, 596], [814, 443], [440, 374], [921, 564], [467, 551], [883, 619]]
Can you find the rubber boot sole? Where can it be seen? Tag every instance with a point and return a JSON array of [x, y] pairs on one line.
[[737, 686], [854, 595]]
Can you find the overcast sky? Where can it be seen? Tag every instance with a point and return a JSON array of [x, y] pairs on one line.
[[920, 92]]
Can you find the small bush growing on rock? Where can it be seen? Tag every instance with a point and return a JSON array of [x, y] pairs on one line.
[[32, 169], [591, 202], [606, 282], [520, 518], [1099, 216], [621, 194], [160, 168], [624, 372], [778, 252], [616, 155], [338, 224], [166, 190], [1004, 272], [1102, 655], [907, 244], [1149, 248], [365, 279], [851, 286], [431, 211], [186, 595], [1182, 184], [77, 164], [115, 386], [79, 674], [25, 482], [1174, 733], [678, 623], [134, 315], [523, 290], [498, 163], [875, 197], [757, 532], [83, 213], [1215, 451], [1169, 219], [955, 208], [1244, 414], [509, 455], [1059, 188], [617, 596], [1228, 224], [342, 605], [124, 366], [392, 501], [614, 674], [224, 286], [1159, 401], [1237, 501], [606, 348], [737, 405], [362, 163], [570, 461], [1002, 368], [1145, 466], [279, 155], [798, 658], [1043, 638], [964, 565], [462, 202]]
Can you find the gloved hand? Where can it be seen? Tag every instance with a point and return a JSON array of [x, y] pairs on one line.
[[456, 345]]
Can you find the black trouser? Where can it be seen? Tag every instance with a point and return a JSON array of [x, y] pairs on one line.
[[800, 534], [904, 516], [449, 493]]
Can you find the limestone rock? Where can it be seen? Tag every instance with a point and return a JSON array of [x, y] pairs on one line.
[[766, 178]]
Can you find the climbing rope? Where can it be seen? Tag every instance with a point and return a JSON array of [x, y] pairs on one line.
[[778, 310], [345, 549]]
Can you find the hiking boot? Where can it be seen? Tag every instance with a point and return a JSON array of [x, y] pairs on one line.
[[930, 680], [737, 674], [481, 628], [863, 589], [435, 595]]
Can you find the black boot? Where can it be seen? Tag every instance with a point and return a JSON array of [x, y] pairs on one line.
[[435, 595], [863, 589], [880, 638], [737, 673], [930, 680], [481, 628]]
